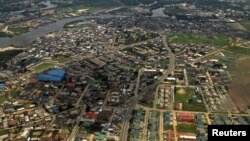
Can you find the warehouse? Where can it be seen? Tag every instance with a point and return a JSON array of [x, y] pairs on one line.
[[54, 75]]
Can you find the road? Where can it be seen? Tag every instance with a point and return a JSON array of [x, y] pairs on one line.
[[76, 127], [125, 126], [211, 53], [83, 93], [145, 130], [161, 128]]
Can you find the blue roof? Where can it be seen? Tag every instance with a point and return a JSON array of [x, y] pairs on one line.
[[52, 75], [2, 86], [57, 72], [77, 139]]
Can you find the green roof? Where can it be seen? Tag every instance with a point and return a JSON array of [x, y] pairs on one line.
[[101, 136]]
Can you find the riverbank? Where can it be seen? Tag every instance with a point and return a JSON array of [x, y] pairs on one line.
[[10, 48], [7, 54], [27, 38]]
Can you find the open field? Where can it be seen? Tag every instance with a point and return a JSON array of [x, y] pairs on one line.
[[240, 90], [61, 59], [187, 128], [239, 50], [185, 95], [246, 24], [2, 99], [218, 40], [43, 66]]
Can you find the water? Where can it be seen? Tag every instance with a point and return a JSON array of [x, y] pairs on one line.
[[158, 12], [48, 5], [26, 39]]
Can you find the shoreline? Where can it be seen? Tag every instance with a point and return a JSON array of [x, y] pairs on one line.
[[10, 48]]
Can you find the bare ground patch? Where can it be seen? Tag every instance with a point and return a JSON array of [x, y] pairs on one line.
[[240, 88]]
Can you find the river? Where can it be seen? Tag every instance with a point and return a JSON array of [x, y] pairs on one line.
[[27, 38], [158, 12]]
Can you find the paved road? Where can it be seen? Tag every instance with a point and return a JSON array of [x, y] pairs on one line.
[[76, 127], [82, 94], [124, 131]]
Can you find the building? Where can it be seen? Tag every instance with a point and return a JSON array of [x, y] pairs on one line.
[[54, 75], [2, 86], [185, 117]]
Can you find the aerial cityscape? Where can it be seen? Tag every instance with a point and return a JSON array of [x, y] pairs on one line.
[[122, 70]]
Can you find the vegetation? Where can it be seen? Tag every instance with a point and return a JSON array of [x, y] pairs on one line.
[[164, 62], [168, 127], [5, 34], [230, 54], [2, 99], [187, 128], [90, 4], [14, 93], [146, 1], [19, 30], [189, 92], [7, 55], [130, 2], [174, 11], [4, 132], [246, 24], [219, 41], [146, 105], [43, 66], [187, 99], [206, 4], [239, 50], [60, 59]]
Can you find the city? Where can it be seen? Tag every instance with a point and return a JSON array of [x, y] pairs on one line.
[[122, 70]]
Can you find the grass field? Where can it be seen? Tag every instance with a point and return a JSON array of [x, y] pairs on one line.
[[218, 41], [239, 50], [184, 98], [189, 92], [61, 59], [2, 99], [246, 24], [43, 66], [187, 128]]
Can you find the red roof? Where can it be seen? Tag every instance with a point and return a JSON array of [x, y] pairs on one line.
[[169, 135], [91, 115], [33, 81], [186, 117], [71, 84]]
